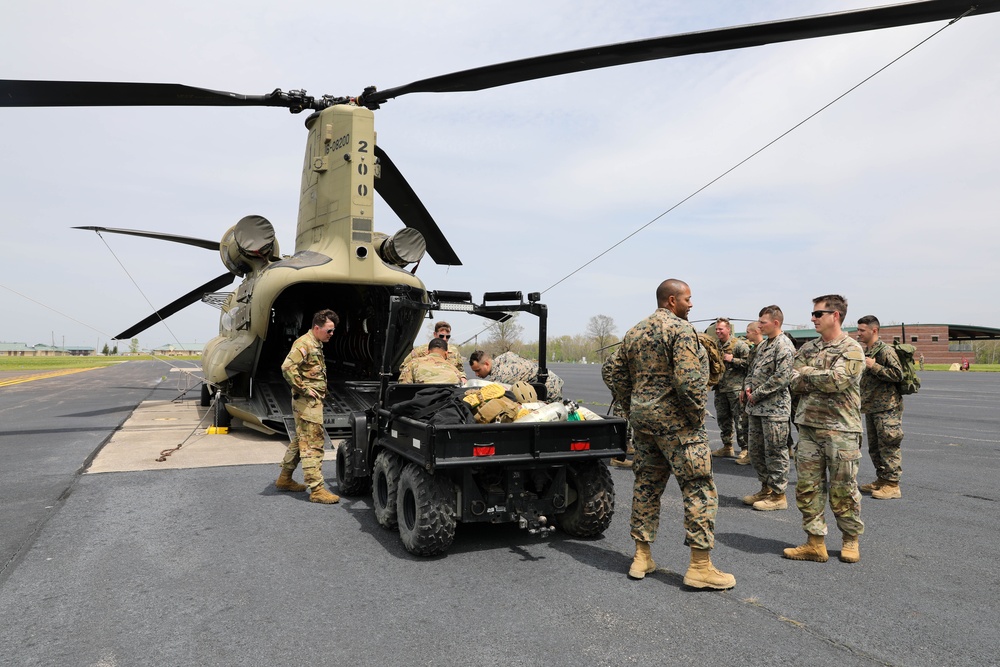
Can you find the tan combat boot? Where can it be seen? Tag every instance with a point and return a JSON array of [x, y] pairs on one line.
[[774, 501], [760, 495], [868, 488], [849, 551], [643, 563], [621, 463], [814, 549], [286, 483], [887, 491], [702, 574], [725, 450], [321, 495], [744, 458]]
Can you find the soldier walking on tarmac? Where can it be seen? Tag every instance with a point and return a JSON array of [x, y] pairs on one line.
[[304, 370], [882, 405], [661, 373], [826, 375]]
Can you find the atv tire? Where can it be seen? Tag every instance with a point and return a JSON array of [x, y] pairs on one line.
[[589, 515], [426, 511], [347, 483], [385, 484]]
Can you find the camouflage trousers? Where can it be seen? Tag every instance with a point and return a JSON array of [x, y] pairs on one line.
[[655, 458], [885, 435], [307, 447], [768, 438], [727, 413], [828, 460]]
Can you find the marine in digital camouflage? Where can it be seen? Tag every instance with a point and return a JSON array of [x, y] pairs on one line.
[[883, 407], [879, 384], [827, 378], [509, 368], [732, 379], [727, 392], [661, 374], [770, 410], [430, 369]]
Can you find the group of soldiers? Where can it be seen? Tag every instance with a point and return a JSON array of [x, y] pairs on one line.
[[659, 378]]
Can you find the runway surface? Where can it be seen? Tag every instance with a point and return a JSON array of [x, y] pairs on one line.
[[212, 566]]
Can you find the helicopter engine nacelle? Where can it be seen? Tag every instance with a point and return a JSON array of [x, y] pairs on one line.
[[404, 247], [248, 245]]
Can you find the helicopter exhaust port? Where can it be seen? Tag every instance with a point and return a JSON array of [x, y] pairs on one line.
[[361, 252]]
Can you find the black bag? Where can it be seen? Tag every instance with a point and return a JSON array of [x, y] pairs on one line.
[[439, 405]]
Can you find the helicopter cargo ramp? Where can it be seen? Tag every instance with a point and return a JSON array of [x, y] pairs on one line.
[[170, 434]]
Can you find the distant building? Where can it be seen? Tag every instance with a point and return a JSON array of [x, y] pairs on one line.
[[22, 350], [939, 343], [181, 350]]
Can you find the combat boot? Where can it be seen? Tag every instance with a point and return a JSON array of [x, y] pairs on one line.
[[744, 458], [814, 549], [702, 574], [887, 491], [724, 451], [868, 488], [321, 495], [286, 483], [621, 463], [760, 495], [643, 563], [773, 501], [849, 552]]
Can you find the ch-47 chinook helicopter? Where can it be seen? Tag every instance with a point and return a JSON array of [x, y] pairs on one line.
[[340, 261]]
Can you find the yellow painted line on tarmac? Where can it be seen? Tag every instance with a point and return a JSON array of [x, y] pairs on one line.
[[42, 376]]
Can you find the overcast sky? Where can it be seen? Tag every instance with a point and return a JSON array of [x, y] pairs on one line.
[[889, 197]]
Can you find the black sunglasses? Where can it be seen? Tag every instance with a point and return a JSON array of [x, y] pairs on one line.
[[444, 336], [819, 313]]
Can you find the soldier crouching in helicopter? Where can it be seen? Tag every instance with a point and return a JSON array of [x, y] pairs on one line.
[[304, 370]]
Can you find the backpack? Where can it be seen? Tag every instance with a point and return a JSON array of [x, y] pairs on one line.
[[716, 367], [910, 384], [439, 405]]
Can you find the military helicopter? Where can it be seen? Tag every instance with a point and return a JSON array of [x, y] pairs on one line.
[[340, 260]]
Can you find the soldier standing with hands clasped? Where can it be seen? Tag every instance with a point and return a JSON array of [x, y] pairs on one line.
[[882, 405], [826, 375], [661, 374], [304, 370]]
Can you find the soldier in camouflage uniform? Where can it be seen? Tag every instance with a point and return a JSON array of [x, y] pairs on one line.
[[442, 330], [735, 354], [882, 405], [304, 370], [509, 368], [754, 339], [661, 374], [827, 376], [431, 368], [769, 404]]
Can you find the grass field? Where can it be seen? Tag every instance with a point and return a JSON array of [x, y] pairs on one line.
[[57, 363]]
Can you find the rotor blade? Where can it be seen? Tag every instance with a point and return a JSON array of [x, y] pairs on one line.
[[187, 240], [706, 41], [404, 202], [19, 93], [213, 285]]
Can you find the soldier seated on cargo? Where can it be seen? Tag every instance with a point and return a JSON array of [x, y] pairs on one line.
[[432, 368]]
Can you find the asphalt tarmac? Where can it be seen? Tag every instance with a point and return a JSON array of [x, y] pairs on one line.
[[212, 566]]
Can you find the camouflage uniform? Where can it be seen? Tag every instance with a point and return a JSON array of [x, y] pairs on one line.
[[768, 378], [509, 368], [662, 375], [618, 408], [882, 405], [454, 358], [744, 415], [826, 377], [303, 369], [429, 369], [727, 392]]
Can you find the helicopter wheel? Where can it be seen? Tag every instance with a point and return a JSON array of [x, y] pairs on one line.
[[222, 417]]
